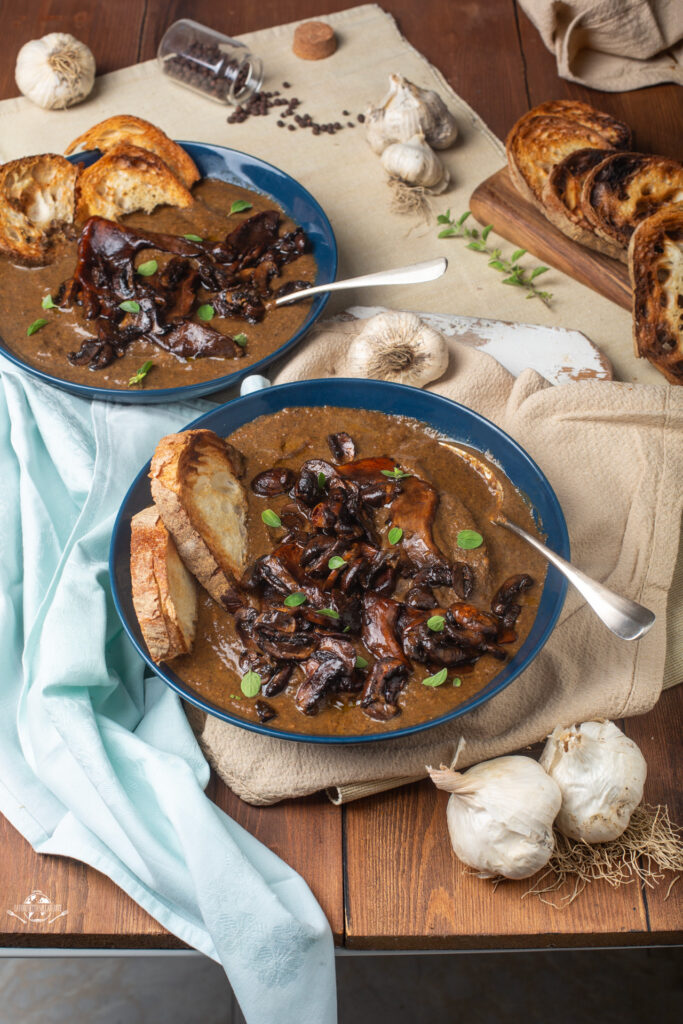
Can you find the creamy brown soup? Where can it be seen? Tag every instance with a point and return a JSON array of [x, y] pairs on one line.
[[288, 439], [23, 289]]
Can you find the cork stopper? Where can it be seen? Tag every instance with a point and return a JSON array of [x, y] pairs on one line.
[[314, 40]]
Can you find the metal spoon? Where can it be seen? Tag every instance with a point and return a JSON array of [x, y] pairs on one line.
[[624, 617], [414, 274]]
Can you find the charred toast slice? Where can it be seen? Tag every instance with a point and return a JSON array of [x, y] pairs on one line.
[[562, 200], [655, 259], [37, 198], [136, 132], [164, 592], [625, 188], [196, 488], [125, 179], [616, 134]]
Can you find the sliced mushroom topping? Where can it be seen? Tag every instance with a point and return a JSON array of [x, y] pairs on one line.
[[273, 481], [382, 687], [342, 447]]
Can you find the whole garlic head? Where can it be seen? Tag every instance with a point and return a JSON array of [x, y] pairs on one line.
[[397, 347], [415, 163], [500, 815], [601, 773], [407, 110], [56, 71]]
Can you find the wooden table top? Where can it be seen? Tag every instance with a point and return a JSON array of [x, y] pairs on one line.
[[382, 868]]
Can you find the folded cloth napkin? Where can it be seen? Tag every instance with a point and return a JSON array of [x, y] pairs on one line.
[[98, 763], [613, 452], [613, 45]]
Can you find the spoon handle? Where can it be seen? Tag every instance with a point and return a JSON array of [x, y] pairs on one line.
[[624, 617], [414, 274]]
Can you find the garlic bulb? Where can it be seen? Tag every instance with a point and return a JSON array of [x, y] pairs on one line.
[[397, 347], [416, 164], [500, 815], [407, 110], [601, 773], [56, 71]]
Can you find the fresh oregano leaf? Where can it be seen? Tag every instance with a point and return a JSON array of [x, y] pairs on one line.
[[336, 562], [330, 612], [240, 339], [463, 218], [130, 306], [457, 681], [361, 662], [294, 600], [436, 680], [251, 684], [436, 623], [240, 205], [447, 233], [271, 518], [395, 474], [206, 312], [193, 238], [35, 326], [537, 271], [322, 479], [138, 377], [469, 539], [517, 254], [395, 534], [148, 268], [486, 232], [48, 303]]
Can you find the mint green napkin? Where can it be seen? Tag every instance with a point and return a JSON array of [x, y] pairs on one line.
[[99, 763]]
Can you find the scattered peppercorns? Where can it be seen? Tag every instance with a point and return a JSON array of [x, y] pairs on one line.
[[261, 104]]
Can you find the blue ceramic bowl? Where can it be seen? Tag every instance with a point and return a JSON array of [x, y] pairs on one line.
[[449, 418], [248, 172]]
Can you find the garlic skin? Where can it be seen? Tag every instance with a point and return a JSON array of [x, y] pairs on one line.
[[407, 110], [415, 163], [397, 347], [56, 71], [500, 815], [601, 773]]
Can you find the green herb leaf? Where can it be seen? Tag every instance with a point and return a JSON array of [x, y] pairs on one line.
[[512, 280], [48, 303], [322, 480], [193, 238], [148, 268], [240, 205], [206, 312], [251, 684], [241, 339], [395, 534], [463, 218], [294, 600], [138, 377], [346, 629], [271, 518], [469, 539], [336, 562], [457, 681], [361, 662], [437, 679], [497, 265], [443, 218], [130, 306], [330, 612], [395, 474], [517, 254], [35, 326], [486, 232], [447, 233], [436, 623], [477, 246], [537, 271]]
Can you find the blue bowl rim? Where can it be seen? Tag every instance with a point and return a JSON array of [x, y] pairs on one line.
[[561, 547], [188, 391]]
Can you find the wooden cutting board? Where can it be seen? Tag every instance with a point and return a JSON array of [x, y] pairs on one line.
[[496, 201]]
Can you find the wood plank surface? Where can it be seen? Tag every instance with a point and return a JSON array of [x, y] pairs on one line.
[[496, 201], [404, 887]]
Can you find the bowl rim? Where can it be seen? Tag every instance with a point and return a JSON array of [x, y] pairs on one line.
[[199, 388], [561, 546]]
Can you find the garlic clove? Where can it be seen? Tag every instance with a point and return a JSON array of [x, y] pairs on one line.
[[397, 347], [406, 110], [415, 163], [56, 71], [601, 774]]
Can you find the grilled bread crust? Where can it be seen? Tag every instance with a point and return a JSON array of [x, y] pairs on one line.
[[125, 179], [625, 188], [616, 134], [562, 200], [196, 488], [37, 198], [164, 592], [134, 131], [655, 260]]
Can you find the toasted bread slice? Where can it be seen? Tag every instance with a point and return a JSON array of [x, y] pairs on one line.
[[126, 179], [37, 198], [561, 198], [164, 592], [196, 489], [655, 259], [625, 188], [548, 133], [134, 131]]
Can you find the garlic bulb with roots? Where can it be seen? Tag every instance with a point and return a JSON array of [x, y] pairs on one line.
[[56, 71], [500, 815], [601, 774], [415, 163], [397, 347], [406, 110]]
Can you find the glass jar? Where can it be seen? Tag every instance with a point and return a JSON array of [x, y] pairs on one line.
[[209, 63]]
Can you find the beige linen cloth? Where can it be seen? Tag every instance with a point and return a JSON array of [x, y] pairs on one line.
[[614, 45], [612, 451]]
